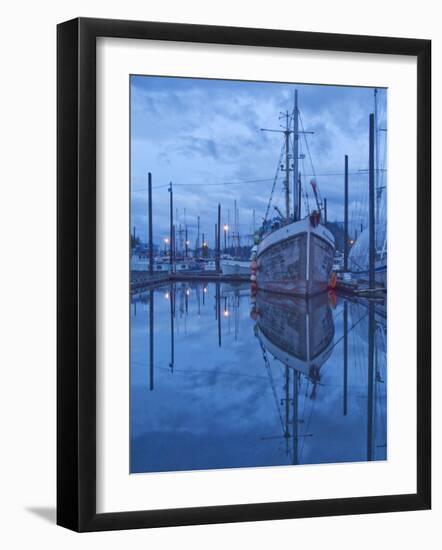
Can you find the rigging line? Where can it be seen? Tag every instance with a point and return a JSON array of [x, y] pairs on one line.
[[307, 428], [272, 383], [146, 188], [262, 180], [267, 180], [360, 357], [342, 337], [304, 191], [305, 396], [307, 145], [274, 184], [142, 189]]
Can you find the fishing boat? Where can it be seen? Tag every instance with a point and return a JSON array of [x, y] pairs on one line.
[[296, 259], [295, 255]]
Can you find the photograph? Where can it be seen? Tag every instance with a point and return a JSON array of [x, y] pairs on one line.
[[218, 355], [258, 274]]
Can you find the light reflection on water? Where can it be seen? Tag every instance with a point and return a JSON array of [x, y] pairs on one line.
[[221, 380]]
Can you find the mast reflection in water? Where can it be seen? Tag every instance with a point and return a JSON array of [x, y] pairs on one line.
[[222, 380]]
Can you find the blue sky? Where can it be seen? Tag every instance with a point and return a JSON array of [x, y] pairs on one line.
[[196, 132]]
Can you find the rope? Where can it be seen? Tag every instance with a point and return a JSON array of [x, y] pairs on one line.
[[275, 179]]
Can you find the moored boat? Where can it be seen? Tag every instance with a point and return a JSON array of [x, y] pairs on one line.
[[294, 254], [235, 267], [296, 259]]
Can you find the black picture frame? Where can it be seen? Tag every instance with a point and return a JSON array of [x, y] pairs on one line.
[[76, 273]]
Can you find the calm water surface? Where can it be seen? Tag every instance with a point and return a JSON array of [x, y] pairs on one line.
[[220, 379]]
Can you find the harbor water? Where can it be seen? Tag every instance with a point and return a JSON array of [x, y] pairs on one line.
[[222, 379]]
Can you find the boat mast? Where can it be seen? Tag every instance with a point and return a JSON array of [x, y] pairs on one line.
[[295, 159], [149, 224], [376, 141], [197, 251], [171, 229], [287, 168], [346, 213], [287, 133], [371, 208]]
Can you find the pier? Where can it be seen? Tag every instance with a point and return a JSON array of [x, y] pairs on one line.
[[143, 280]]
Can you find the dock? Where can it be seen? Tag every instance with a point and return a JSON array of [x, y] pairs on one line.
[[143, 280], [358, 288]]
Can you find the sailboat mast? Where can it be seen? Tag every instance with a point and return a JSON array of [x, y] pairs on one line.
[[287, 168], [371, 208], [376, 142], [295, 159]]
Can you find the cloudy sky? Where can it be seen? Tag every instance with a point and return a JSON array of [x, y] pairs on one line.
[[204, 136]]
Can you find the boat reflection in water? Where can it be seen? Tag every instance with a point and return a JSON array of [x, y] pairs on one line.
[[222, 379], [297, 332]]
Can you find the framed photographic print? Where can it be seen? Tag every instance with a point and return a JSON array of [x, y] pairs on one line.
[[243, 274]]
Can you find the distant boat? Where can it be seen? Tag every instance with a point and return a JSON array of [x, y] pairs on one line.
[[359, 255], [236, 264], [160, 265], [338, 262], [358, 259], [235, 267], [295, 255], [209, 265]]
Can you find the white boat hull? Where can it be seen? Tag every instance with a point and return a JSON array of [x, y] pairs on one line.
[[142, 264], [296, 259], [235, 267]]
